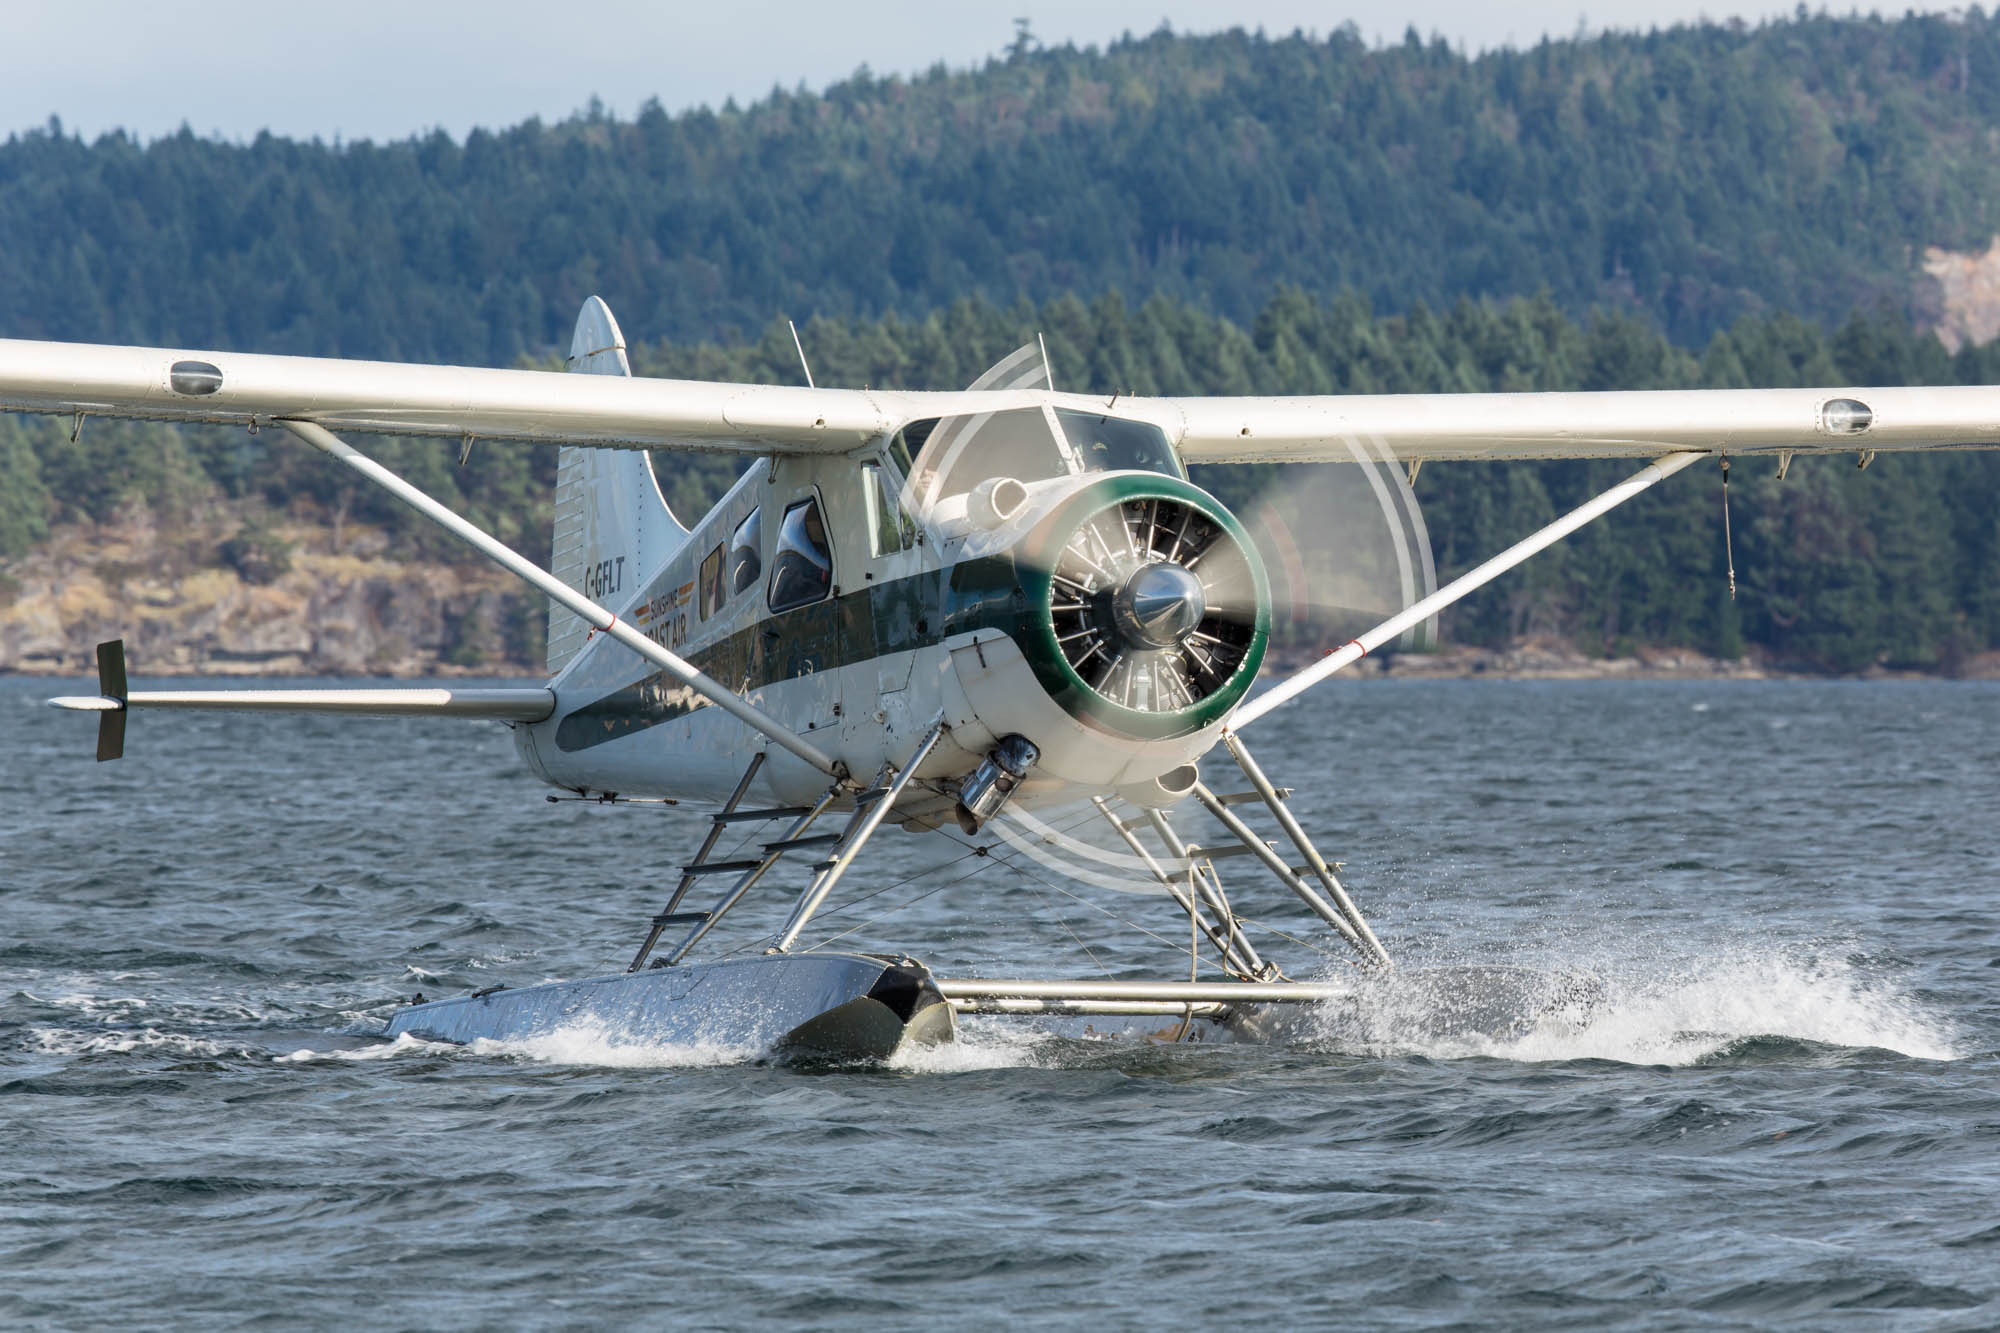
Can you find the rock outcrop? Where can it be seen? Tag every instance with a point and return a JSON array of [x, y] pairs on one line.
[[197, 600], [1965, 306]]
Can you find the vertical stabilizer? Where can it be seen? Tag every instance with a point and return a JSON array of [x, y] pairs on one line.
[[612, 526]]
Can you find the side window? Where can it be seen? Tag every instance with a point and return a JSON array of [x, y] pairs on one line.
[[890, 527], [802, 568], [746, 563], [913, 436], [714, 592]]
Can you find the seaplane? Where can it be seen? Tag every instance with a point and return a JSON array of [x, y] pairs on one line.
[[1003, 613]]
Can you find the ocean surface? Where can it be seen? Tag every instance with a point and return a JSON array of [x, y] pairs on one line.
[[1784, 1113]]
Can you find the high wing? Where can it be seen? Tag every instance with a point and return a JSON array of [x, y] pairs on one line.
[[393, 398], [399, 398], [1638, 425], [79, 379]]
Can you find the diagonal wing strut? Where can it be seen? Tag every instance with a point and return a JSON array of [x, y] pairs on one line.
[[596, 616], [1471, 581]]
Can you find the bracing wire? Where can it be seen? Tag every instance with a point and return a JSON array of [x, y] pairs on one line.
[[912, 902], [1069, 930], [1127, 922]]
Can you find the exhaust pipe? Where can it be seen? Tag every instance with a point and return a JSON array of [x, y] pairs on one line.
[[981, 796]]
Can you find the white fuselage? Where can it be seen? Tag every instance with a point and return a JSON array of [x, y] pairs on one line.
[[864, 670]]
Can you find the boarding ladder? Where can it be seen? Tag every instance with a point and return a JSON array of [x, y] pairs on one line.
[[871, 807]]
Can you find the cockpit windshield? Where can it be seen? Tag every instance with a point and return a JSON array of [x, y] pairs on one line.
[[960, 452], [1115, 444], [1028, 444]]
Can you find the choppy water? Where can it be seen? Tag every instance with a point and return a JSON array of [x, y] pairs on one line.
[[1787, 1111]]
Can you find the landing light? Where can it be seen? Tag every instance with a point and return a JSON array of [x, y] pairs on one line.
[[1845, 416], [195, 379]]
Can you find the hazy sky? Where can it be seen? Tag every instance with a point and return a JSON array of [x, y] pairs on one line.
[[369, 69]]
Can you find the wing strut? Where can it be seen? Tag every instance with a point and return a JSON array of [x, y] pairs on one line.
[[1657, 470], [870, 807], [596, 616]]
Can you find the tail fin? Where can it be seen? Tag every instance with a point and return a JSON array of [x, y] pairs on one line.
[[612, 526]]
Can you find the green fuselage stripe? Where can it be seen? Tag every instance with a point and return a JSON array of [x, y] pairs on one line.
[[921, 611], [898, 616]]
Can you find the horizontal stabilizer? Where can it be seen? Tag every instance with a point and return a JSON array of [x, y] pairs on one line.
[[504, 705]]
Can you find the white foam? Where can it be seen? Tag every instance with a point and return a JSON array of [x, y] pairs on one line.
[[96, 1006], [981, 1047], [65, 1041], [977, 1047], [404, 1044], [1680, 1011], [583, 1045], [592, 1044]]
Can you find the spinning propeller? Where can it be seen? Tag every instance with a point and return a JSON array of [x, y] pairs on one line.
[[1158, 597], [1155, 600]]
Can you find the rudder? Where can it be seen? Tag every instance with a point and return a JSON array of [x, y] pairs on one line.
[[612, 525]]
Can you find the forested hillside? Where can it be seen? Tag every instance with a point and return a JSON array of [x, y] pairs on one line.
[[1839, 569], [1707, 206], [1694, 175]]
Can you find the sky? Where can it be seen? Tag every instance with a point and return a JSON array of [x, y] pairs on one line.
[[369, 69]]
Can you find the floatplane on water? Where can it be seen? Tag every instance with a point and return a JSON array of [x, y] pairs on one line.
[[979, 612]]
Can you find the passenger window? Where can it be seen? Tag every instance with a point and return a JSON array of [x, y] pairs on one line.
[[746, 563], [890, 527], [802, 568], [714, 592]]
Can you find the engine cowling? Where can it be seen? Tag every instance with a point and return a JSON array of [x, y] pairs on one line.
[[1141, 613]]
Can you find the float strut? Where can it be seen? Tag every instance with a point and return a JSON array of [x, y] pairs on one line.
[[1223, 942], [1314, 861], [1326, 911], [856, 837], [751, 876]]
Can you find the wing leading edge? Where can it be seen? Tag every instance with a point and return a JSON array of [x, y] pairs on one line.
[[1638, 425], [603, 411], [392, 398]]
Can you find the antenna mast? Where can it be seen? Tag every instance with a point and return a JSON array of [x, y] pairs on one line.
[[802, 354]]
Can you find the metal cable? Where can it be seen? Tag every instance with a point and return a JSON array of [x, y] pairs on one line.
[[879, 916], [1104, 911]]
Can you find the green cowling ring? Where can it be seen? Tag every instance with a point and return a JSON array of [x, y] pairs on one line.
[[1037, 633]]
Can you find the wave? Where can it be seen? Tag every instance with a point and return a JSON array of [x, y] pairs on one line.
[[403, 1045]]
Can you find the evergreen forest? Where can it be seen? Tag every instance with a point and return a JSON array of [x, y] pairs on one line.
[[1708, 206], [1697, 174]]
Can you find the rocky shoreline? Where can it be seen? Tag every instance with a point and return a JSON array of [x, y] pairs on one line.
[[212, 596]]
